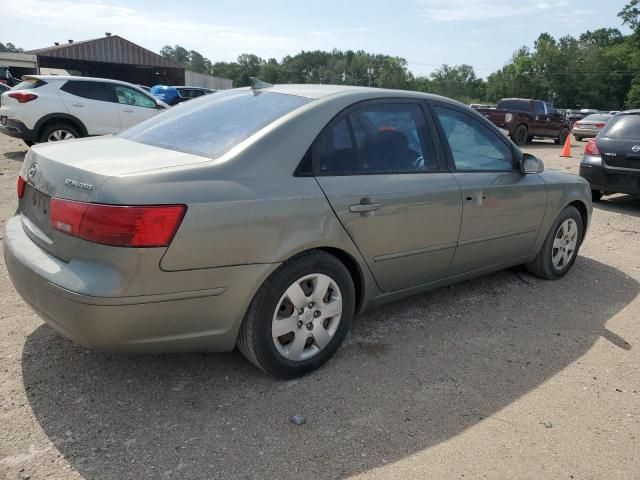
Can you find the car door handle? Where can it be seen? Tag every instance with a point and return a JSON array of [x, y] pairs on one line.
[[79, 105], [128, 110], [365, 207]]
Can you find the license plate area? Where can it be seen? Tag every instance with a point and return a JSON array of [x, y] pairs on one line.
[[35, 207]]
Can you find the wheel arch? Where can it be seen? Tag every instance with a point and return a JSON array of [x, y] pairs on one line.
[[354, 270], [62, 118], [584, 215]]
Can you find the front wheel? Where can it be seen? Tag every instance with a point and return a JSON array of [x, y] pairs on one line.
[[300, 315], [560, 248], [562, 137]]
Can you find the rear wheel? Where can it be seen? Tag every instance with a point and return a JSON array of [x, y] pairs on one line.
[[562, 137], [520, 135], [57, 132], [578, 138], [300, 315], [560, 248], [596, 195]]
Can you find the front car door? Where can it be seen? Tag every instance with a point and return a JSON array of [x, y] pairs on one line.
[[380, 167], [555, 121], [538, 125], [134, 106], [94, 104], [502, 207]]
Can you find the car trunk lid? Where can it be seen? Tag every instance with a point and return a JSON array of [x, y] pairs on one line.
[[66, 170], [620, 153]]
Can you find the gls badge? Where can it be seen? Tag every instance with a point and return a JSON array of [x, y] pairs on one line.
[[76, 184], [33, 169]]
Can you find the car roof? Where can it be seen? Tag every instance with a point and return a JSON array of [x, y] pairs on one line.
[[317, 92], [60, 78]]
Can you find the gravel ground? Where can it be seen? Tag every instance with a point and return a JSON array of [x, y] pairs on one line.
[[505, 376]]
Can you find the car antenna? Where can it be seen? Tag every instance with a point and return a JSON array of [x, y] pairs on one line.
[[257, 84]]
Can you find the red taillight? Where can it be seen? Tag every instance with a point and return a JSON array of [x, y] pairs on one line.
[[600, 125], [591, 148], [117, 225], [22, 97], [21, 184]]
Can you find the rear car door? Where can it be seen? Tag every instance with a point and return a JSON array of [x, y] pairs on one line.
[[134, 106], [502, 207], [380, 166], [94, 104]]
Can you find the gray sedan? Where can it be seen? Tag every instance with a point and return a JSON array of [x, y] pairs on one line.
[[266, 218]]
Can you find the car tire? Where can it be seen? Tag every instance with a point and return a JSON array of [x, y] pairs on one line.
[[529, 139], [564, 133], [578, 139], [560, 249], [306, 342], [520, 136], [596, 195], [57, 132]]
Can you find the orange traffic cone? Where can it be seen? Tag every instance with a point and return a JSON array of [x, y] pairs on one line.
[[566, 150]]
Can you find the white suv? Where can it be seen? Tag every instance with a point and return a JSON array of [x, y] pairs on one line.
[[46, 108]]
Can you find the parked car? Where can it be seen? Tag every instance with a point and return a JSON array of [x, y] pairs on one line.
[[49, 108], [611, 161], [4, 88], [590, 125], [267, 218], [478, 105], [573, 115], [614, 112], [526, 119], [173, 95]]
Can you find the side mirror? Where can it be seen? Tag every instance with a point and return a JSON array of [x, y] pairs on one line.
[[531, 164], [159, 105]]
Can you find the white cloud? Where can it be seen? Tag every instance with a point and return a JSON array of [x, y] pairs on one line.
[[466, 10], [91, 18]]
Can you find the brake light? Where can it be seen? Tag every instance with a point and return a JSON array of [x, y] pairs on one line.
[[600, 125], [117, 225], [22, 97], [592, 148], [22, 183]]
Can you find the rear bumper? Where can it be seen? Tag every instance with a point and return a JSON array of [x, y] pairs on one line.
[[611, 180], [585, 132], [17, 129], [206, 319]]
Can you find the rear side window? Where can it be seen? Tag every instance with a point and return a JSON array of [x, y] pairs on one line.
[[29, 84], [216, 123], [515, 105], [90, 90], [623, 127], [473, 146], [333, 151]]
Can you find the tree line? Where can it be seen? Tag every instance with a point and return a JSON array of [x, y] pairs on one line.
[[598, 69]]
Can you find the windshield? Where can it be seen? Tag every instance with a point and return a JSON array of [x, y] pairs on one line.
[[623, 127], [213, 124], [29, 83]]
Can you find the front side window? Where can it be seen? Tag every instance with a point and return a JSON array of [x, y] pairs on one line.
[[216, 123], [129, 96], [550, 109], [473, 145], [538, 108], [90, 90]]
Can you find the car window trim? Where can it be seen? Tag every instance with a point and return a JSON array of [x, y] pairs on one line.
[[491, 128], [428, 135]]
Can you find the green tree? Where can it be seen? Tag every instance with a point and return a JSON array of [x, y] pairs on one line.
[[10, 47]]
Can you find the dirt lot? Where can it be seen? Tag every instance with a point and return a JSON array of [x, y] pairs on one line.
[[506, 376]]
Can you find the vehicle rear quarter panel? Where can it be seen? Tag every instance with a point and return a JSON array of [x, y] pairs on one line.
[[562, 190]]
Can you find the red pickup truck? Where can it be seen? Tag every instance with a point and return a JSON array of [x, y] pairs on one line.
[[526, 119]]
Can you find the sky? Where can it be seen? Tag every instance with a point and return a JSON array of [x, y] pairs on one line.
[[428, 33]]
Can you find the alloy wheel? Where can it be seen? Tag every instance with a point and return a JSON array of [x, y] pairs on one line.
[[58, 135], [564, 244], [307, 317]]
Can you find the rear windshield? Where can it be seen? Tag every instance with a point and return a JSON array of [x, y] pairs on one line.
[[516, 105], [623, 127], [29, 83], [597, 118], [213, 124]]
